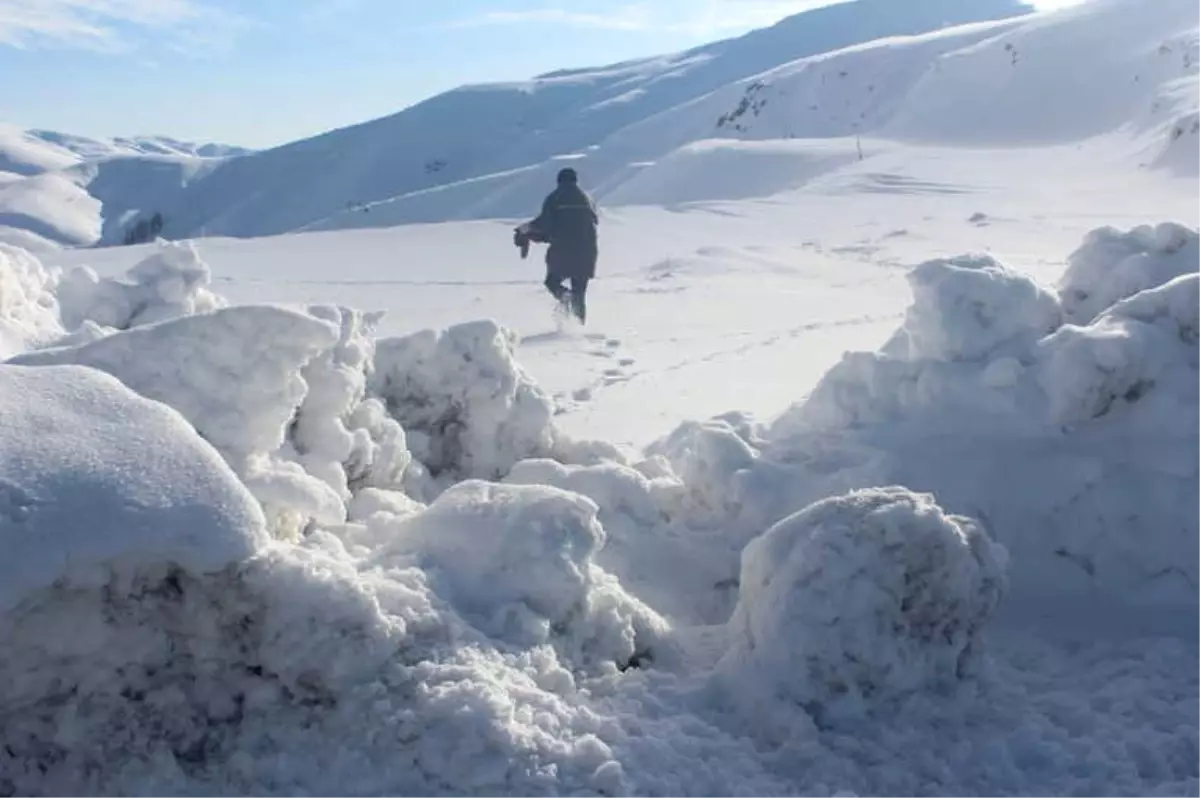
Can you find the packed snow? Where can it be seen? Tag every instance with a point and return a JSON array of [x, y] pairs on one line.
[[338, 600], [876, 470]]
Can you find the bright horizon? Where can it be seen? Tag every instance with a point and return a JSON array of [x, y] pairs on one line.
[[264, 73]]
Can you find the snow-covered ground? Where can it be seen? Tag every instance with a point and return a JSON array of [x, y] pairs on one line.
[[875, 477]]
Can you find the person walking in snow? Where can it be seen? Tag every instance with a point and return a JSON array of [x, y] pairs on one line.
[[568, 223]]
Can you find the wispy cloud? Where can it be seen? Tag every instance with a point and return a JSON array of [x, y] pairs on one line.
[[115, 25], [695, 17]]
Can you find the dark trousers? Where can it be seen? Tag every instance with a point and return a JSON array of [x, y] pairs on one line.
[[575, 298]]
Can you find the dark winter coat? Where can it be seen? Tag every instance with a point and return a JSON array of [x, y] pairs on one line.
[[568, 221]]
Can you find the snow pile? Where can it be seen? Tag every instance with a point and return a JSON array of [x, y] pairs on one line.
[[28, 309], [970, 307], [1110, 266], [1078, 444], [518, 562], [98, 484], [339, 435], [1139, 354], [468, 409], [235, 375], [711, 458], [172, 282], [863, 597]]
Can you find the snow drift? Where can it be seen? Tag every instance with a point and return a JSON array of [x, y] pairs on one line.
[[468, 408], [862, 597], [171, 282], [109, 483], [29, 313], [1054, 433], [330, 563]]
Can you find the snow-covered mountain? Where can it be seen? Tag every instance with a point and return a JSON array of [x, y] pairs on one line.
[[62, 189], [440, 141], [823, 95]]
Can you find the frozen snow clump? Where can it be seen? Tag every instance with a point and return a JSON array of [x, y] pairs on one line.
[[863, 596], [340, 436], [1111, 265], [172, 282], [968, 307], [517, 562], [235, 374], [28, 309], [711, 459], [468, 409], [98, 484], [1141, 350]]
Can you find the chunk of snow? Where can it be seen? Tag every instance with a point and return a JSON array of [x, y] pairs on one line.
[[235, 374], [468, 409], [968, 307], [1143, 345], [339, 435], [518, 561], [1111, 265], [1080, 448], [98, 483], [28, 309], [172, 282], [862, 597]]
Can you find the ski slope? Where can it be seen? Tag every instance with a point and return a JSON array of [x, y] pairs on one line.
[[871, 474]]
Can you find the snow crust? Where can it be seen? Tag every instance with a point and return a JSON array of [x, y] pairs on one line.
[[277, 554], [98, 484], [467, 406], [1049, 432], [171, 282], [29, 311], [863, 596]]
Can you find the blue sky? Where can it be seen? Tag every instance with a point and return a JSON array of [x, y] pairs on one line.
[[262, 72]]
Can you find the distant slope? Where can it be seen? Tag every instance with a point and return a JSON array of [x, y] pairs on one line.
[[58, 189], [480, 130], [1117, 74], [92, 149], [798, 104]]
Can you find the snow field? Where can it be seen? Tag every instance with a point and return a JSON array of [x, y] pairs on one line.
[[289, 556]]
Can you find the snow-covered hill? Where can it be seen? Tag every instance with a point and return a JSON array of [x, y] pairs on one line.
[[440, 141], [822, 97], [833, 115], [60, 189]]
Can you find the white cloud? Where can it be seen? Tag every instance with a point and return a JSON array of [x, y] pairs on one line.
[[107, 25]]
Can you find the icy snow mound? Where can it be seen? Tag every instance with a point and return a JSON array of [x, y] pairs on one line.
[[235, 375], [172, 282], [1110, 266], [98, 484], [1078, 448], [863, 597], [518, 562], [967, 307], [1140, 355], [468, 408], [29, 312], [339, 434]]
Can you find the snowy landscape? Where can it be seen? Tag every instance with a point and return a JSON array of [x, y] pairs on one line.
[[874, 471]]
